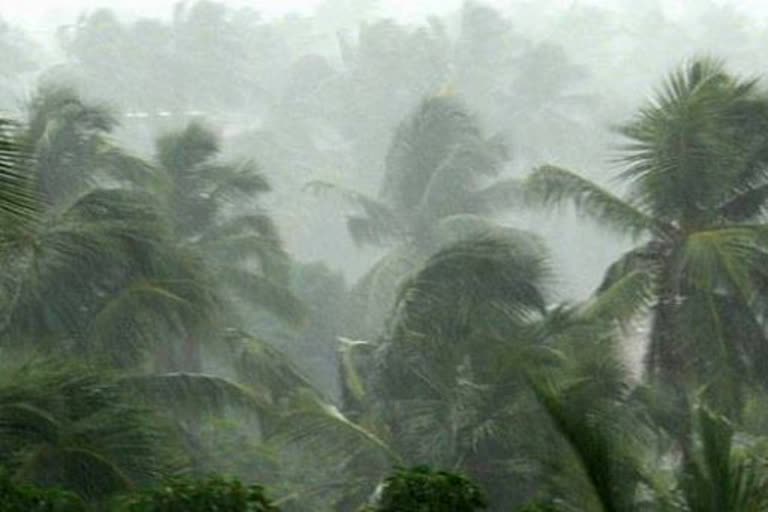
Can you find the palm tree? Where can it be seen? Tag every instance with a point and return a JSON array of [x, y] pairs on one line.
[[214, 214], [437, 189], [696, 188], [70, 140], [100, 279], [445, 384], [97, 268]]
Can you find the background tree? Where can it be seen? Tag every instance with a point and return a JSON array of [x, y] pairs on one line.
[[437, 188]]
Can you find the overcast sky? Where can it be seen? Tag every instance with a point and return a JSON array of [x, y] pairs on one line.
[[41, 15]]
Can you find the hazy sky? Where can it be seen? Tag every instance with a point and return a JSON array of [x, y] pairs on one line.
[[43, 15], [51, 10]]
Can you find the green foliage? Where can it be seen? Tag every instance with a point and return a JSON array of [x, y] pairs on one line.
[[421, 489], [67, 425], [185, 495], [18, 201], [695, 170], [16, 497]]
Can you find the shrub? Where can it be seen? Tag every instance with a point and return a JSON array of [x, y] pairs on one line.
[[183, 495], [26, 498], [422, 490]]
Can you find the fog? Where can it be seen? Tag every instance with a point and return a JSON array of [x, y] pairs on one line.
[[300, 243]]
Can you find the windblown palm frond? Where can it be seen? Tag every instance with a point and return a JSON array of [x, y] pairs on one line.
[[71, 145], [260, 290], [464, 279], [323, 430], [67, 425], [215, 216], [262, 367], [720, 475], [695, 143], [598, 428], [553, 186], [18, 202], [194, 392]]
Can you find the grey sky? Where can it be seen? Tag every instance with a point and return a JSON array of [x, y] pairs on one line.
[[46, 13]]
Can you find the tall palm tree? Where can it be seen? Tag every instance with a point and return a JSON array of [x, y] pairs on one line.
[[696, 186], [445, 383], [214, 214], [100, 279], [438, 188], [97, 269], [73, 151]]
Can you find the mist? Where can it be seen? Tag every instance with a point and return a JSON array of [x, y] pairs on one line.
[[343, 251]]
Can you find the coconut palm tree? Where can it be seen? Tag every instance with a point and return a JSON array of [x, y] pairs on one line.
[[97, 269], [214, 214], [70, 140], [444, 386], [99, 276], [695, 180], [438, 188]]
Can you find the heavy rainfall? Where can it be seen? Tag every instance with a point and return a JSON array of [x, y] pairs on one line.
[[381, 256]]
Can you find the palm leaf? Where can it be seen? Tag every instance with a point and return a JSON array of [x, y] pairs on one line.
[[724, 257], [624, 298], [194, 392], [260, 290], [263, 367], [16, 181], [552, 186], [322, 429]]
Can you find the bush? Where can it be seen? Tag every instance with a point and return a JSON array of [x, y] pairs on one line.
[[217, 494], [26, 498], [422, 490]]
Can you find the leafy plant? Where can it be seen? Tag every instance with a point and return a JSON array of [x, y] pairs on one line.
[[184, 495], [421, 489], [16, 497]]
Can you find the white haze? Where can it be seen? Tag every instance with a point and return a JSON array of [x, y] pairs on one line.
[[582, 255], [43, 15]]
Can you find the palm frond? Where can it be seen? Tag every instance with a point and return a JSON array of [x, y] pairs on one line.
[[715, 477], [686, 147], [65, 424], [193, 392], [263, 367], [624, 298], [262, 291], [600, 445], [553, 186], [182, 152], [459, 280], [18, 202], [323, 430], [723, 259]]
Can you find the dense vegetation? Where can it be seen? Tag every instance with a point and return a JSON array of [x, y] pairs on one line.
[[167, 344]]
